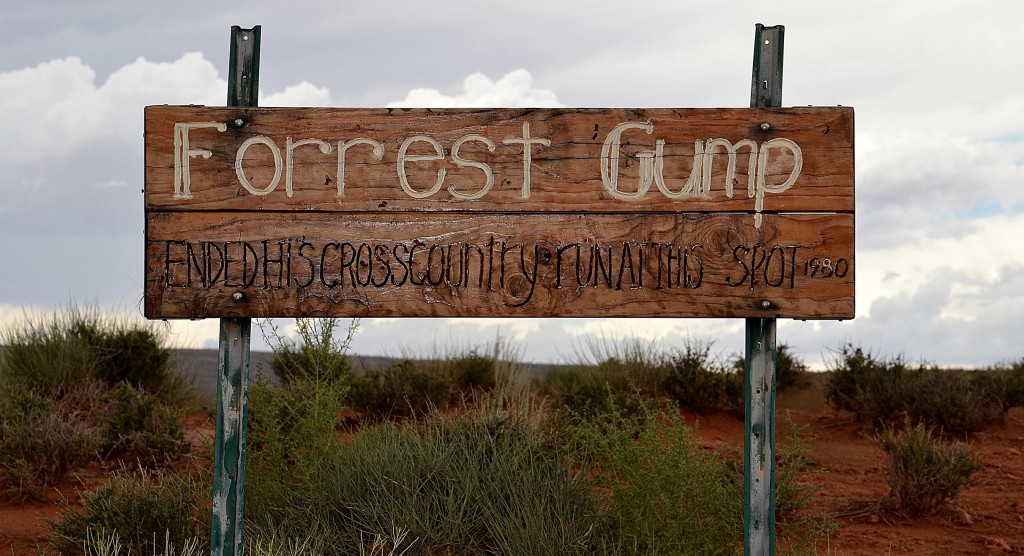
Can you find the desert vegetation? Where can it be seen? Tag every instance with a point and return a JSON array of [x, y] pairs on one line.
[[79, 387], [460, 454]]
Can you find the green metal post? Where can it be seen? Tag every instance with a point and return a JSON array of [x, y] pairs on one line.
[[759, 368], [235, 336]]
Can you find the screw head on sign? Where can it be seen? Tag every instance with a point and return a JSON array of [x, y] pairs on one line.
[[237, 296], [766, 304], [765, 126], [239, 122]]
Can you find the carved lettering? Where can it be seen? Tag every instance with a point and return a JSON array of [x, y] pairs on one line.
[[183, 153]]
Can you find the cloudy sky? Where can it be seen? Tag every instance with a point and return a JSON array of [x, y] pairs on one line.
[[938, 90]]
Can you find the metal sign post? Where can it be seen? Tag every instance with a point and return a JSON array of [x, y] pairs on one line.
[[233, 376], [759, 367]]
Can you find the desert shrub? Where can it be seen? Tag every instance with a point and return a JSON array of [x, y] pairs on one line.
[[798, 530], [464, 486], [883, 391], [413, 386], [404, 389], [142, 427], [1005, 383], [318, 356], [43, 357], [42, 440], [700, 382], [142, 509], [73, 384], [865, 385], [1013, 391], [950, 401], [51, 353], [127, 353], [590, 391], [472, 371], [54, 353], [625, 376], [790, 370], [291, 363], [292, 432], [663, 493], [293, 426], [924, 472]]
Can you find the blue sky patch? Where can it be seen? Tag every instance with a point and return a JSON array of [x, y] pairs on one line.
[[983, 206]]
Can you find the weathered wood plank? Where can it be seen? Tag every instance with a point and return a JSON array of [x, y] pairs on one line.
[[594, 160], [285, 264]]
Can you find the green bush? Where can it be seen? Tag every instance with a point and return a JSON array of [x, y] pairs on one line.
[[319, 355], [699, 382], [42, 440], [72, 388], [293, 426], [292, 433], [42, 355], [141, 509], [883, 391], [405, 389], [140, 426], [1005, 383], [413, 386], [663, 493], [594, 390], [51, 353], [472, 485], [923, 471], [129, 354], [472, 371], [798, 530], [620, 376]]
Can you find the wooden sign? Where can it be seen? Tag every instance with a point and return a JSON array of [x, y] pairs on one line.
[[269, 212]]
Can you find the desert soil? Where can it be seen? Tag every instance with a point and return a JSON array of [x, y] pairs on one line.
[[987, 518]]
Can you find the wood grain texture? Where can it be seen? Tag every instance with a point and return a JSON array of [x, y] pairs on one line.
[[565, 175], [498, 265]]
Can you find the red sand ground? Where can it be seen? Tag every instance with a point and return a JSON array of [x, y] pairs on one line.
[[987, 518]]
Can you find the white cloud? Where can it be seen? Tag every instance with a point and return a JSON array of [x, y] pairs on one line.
[[55, 109], [942, 172], [46, 110], [513, 90], [981, 256], [303, 94]]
